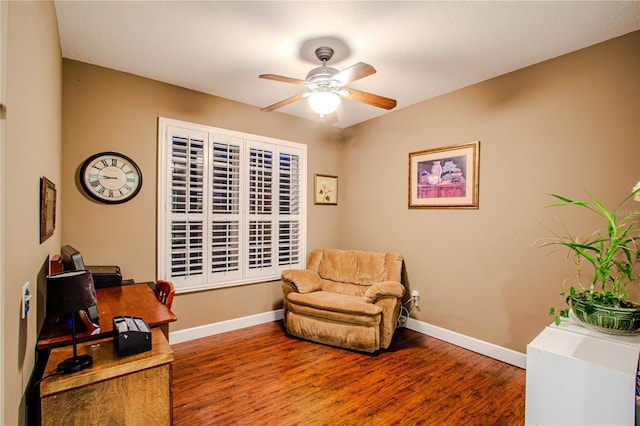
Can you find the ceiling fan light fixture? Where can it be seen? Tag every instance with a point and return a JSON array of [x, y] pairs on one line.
[[324, 103], [326, 85]]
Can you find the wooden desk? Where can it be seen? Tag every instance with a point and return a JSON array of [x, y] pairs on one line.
[[135, 300], [133, 390]]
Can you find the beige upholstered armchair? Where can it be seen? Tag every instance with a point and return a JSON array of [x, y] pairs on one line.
[[349, 299]]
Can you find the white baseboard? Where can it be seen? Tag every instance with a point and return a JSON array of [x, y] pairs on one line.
[[223, 326], [509, 356]]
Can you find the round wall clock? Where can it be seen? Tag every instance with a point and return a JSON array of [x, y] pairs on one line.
[[110, 177]]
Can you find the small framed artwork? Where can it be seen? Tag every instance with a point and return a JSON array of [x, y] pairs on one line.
[[325, 189], [47, 208], [445, 178]]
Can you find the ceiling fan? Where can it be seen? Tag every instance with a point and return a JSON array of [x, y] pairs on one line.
[[326, 86]]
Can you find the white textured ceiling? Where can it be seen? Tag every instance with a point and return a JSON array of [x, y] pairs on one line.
[[421, 49]]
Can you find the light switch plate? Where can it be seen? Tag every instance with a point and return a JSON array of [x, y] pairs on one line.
[[26, 297]]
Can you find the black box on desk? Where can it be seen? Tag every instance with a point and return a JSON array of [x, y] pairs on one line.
[[131, 335], [106, 276]]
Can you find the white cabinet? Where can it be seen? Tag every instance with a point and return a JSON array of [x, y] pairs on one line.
[[576, 376]]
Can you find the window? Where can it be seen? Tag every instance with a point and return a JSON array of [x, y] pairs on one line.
[[231, 206]]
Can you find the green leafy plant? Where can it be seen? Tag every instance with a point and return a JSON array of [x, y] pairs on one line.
[[613, 254]]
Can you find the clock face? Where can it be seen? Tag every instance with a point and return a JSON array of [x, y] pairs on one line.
[[110, 177]]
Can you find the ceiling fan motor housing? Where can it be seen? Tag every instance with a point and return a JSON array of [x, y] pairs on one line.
[[321, 76]]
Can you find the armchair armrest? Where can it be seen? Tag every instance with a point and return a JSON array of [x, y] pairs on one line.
[[304, 280], [386, 288]]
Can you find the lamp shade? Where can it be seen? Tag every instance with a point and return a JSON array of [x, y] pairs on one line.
[[69, 292], [323, 102]]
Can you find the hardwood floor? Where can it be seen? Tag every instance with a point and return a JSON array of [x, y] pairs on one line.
[[260, 376]]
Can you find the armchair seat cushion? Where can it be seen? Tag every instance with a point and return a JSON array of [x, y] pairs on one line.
[[335, 307], [335, 302]]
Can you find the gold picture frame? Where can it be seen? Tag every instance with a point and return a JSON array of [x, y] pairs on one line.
[[445, 178], [47, 209], [325, 190]]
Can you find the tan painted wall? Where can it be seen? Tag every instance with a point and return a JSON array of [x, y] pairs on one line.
[[108, 110], [565, 125], [32, 150]]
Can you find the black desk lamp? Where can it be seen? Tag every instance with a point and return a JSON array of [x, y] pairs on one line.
[[67, 293]]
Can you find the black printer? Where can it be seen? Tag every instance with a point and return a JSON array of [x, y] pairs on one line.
[[103, 276]]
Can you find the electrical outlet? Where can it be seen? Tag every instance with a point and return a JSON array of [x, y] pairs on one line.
[[416, 298], [26, 297]]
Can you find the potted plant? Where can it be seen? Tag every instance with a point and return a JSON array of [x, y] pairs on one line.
[[613, 252]]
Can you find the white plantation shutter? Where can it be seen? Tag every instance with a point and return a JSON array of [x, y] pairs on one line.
[[260, 215], [230, 206], [186, 205], [225, 208], [289, 223]]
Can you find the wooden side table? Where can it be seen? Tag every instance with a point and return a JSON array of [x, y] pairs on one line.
[[133, 390]]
